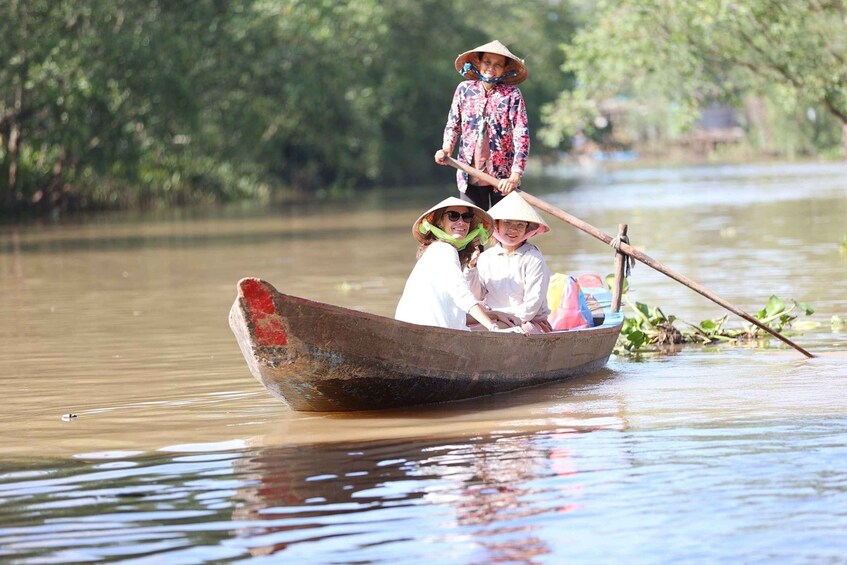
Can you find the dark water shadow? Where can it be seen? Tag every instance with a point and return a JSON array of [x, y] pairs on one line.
[[547, 392]]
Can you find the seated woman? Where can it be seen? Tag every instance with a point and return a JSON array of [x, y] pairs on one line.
[[436, 292], [512, 277]]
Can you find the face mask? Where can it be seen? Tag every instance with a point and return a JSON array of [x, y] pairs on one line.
[[469, 68], [459, 244]]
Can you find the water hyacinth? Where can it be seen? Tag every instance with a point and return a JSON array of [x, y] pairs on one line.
[[649, 329]]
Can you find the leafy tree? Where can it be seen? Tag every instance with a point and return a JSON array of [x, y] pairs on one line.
[[106, 103], [99, 95], [345, 91], [694, 53]]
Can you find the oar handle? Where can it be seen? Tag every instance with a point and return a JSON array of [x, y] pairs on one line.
[[472, 171], [631, 251]]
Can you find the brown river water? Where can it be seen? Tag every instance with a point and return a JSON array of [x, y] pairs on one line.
[[175, 454]]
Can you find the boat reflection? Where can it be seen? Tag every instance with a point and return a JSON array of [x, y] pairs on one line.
[[490, 496]]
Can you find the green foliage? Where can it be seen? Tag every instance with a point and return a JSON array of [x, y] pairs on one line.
[[650, 329], [610, 283], [776, 315], [711, 331], [647, 326], [687, 55], [106, 103]]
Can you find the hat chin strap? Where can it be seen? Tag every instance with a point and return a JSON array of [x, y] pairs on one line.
[[459, 244], [469, 67], [496, 235]]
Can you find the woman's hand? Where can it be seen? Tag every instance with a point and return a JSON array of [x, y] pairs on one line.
[[504, 319], [474, 258], [508, 185], [442, 154], [512, 330]]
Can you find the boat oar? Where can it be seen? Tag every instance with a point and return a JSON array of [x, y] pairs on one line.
[[628, 250]]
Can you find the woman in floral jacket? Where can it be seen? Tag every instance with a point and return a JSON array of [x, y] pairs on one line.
[[489, 114]]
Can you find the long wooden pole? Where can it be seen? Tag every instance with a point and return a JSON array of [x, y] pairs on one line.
[[629, 250]]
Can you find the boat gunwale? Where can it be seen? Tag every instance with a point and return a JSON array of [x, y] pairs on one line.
[[612, 320]]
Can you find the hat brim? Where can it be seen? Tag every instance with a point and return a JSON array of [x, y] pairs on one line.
[[515, 62], [480, 216], [514, 207]]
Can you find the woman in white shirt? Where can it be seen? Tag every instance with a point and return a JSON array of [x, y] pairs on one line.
[[436, 292], [512, 276]]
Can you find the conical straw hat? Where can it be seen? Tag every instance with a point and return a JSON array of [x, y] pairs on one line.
[[514, 207], [498, 49], [480, 216]]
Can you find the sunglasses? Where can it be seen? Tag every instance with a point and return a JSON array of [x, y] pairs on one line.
[[454, 216]]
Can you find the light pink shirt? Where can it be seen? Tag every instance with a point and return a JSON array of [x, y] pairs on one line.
[[514, 284]]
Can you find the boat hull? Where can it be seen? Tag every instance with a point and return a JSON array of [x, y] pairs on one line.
[[319, 357]]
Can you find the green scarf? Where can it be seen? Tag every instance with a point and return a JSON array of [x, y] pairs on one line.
[[459, 244]]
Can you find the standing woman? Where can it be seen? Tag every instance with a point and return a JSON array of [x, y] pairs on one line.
[[436, 292], [489, 113]]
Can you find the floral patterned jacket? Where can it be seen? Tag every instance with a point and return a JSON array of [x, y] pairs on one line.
[[499, 114]]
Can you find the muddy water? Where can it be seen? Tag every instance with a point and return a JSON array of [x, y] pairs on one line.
[[174, 451]]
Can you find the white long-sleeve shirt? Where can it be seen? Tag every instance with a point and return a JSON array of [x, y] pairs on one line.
[[436, 292], [513, 283]]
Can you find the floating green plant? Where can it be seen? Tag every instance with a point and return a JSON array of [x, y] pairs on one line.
[[648, 328]]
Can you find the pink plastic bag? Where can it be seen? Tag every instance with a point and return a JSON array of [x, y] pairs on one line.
[[572, 312], [590, 280]]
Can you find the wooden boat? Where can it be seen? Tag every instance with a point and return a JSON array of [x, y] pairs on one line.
[[319, 357]]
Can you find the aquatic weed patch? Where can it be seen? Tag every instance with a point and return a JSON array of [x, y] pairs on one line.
[[648, 329]]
